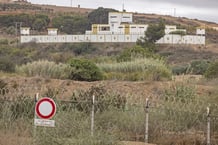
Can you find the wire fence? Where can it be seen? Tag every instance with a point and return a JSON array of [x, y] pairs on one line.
[[109, 117]]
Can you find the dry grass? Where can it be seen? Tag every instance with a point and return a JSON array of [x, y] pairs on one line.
[[11, 138], [135, 143]]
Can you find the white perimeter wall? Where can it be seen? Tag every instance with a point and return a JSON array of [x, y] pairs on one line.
[[167, 39], [178, 39]]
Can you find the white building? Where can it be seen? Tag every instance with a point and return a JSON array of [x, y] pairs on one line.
[[118, 23], [52, 31], [120, 28], [25, 30], [200, 31]]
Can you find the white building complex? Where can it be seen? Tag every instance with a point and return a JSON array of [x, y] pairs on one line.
[[120, 28]]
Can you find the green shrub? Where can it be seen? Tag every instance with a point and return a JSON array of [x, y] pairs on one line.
[[133, 53], [180, 69], [4, 41], [212, 71], [103, 99], [199, 67], [83, 48], [6, 64], [84, 70], [45, 68], [139, 69]]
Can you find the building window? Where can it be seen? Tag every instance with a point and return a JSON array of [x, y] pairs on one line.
[[105, 28]]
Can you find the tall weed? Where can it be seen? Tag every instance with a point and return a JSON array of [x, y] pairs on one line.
[[138, 69], [44, 68]]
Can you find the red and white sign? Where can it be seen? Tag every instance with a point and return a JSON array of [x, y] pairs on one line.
[[45, 108]]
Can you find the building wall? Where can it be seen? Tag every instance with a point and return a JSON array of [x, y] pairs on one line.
[[178, 39], [167, 39]]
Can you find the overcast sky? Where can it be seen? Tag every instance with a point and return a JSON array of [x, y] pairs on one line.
[[199, 9]]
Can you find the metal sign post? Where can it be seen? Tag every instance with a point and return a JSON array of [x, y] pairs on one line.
[[208, 126], [93, 115], [146, 120]]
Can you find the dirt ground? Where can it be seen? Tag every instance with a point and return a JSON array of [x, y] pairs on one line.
[[65, 88]]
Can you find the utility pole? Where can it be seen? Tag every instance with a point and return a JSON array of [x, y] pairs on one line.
[[174, 12], [71, 3], [17, 25]]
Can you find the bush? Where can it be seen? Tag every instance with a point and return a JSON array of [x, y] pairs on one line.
[[199, 67], [181, 69], [46, 69], [84, 70], [6, 65], [103, 99], [131, 53], [4, 41], [212, 71], [82, 48]]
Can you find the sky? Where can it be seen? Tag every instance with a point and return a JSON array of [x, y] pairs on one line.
[[194, 9]]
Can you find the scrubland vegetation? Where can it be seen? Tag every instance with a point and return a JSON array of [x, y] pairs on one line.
[[177, 108]]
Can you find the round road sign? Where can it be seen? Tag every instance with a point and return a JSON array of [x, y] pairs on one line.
[[45, 108]]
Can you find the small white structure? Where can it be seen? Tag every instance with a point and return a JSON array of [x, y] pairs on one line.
[[25, 30], [52, 31], [200, 31]]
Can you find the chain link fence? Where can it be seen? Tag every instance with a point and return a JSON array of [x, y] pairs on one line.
[[108, 118]]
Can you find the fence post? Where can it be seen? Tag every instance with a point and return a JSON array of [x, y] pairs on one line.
[[35, 117], [92, 115], [208, 126], [146, 120]]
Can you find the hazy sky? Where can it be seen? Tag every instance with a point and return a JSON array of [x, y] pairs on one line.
[[199, 9]]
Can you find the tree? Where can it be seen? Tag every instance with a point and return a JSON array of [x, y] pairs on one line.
[[84, 70], [39, 24], [99, 16], [70, 24], [154, 32]]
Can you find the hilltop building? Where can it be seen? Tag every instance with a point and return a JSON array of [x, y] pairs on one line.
[[118, 23], [120, 28]]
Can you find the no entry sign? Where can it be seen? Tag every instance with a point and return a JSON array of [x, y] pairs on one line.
[[45, 108]]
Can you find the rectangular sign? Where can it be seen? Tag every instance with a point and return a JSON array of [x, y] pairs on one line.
[[44, 122]]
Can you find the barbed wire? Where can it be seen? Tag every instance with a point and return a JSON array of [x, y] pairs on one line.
[[171, 117]]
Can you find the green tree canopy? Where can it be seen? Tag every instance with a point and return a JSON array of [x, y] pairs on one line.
[[71, 24], [84, 70], [154, 32], [99, 16]]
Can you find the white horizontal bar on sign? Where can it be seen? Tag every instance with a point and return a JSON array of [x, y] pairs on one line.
[[44, 122]]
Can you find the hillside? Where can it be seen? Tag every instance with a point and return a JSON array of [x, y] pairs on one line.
[[171, 77]]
